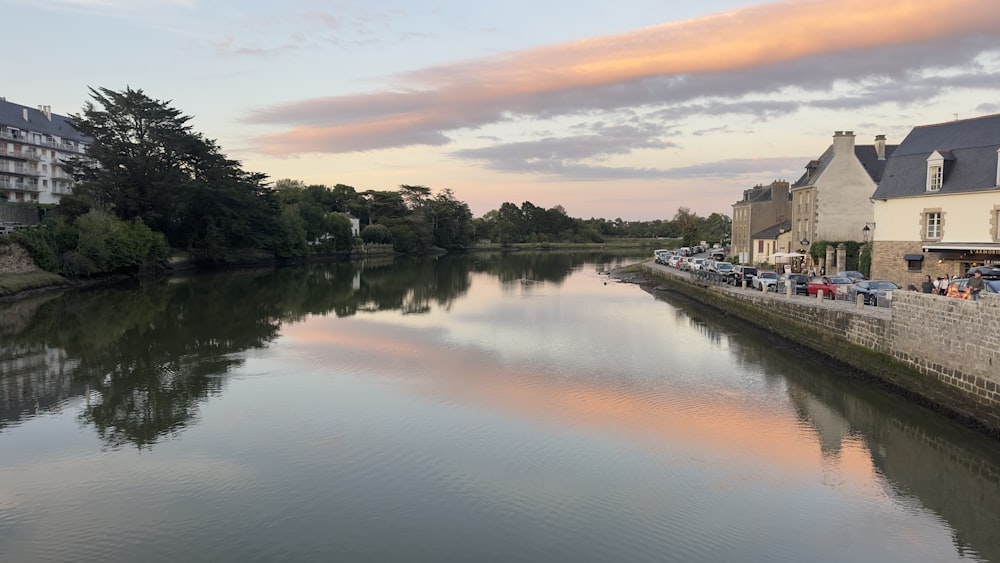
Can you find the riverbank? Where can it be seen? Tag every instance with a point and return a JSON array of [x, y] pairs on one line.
[[20, 277], [946, 365]]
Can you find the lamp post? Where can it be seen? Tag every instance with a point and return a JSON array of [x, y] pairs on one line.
[[866, 233]]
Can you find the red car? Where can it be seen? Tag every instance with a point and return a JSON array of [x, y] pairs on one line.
[[822, 283]]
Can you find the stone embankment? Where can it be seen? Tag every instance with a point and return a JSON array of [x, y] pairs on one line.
[[14, 259], [940, 351]]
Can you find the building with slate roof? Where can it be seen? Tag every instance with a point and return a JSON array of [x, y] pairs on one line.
[[33, 143], [937, 208], [832, 200], [765, 243], [762, 207]]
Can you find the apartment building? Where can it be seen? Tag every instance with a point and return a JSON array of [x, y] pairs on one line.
[[33, 143]]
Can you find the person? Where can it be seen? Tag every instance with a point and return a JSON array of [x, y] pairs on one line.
[[927, 286], [976, 285]]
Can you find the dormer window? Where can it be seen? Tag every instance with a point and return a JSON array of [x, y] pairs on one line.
[[935, 173], [935, 169]]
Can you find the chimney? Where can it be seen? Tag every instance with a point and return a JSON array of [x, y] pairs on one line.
[[843, 142], [880, 146]]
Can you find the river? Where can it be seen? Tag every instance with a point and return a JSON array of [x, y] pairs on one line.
[[491, 407]]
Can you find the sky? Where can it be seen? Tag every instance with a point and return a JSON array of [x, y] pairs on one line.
[[628, 109]]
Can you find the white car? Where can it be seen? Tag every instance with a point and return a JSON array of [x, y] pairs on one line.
[[765, 280], [696, 263]]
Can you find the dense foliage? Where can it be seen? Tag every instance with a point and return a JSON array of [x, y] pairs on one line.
[[149, 182], [93, 243]]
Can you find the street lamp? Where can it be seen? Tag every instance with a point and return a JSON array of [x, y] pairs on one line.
[[867, 233], [804, 242]]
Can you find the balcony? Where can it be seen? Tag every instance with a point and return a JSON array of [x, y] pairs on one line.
[[7, 183], [7, 167]]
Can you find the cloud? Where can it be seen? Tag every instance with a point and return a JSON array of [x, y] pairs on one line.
[[734, 62]]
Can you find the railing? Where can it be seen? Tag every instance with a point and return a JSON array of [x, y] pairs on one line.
[[17, 168], [11, 184]]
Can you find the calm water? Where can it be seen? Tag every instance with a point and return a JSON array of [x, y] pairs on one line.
[[488, 408]]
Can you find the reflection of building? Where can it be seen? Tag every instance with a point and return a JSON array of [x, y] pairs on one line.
[[762, 207], [33, 143], [942, 470], [34, 379], [937, 209]]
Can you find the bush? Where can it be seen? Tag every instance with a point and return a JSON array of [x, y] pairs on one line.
[[95, 243]]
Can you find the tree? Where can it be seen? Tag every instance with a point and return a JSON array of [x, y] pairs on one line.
[[147, 163]]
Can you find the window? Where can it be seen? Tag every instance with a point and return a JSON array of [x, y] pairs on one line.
[[934, 176], [933, 225]]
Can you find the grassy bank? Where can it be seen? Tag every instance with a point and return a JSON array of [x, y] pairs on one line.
[[12, 284]]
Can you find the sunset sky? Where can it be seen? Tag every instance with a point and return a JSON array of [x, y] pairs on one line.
[[625, 109]]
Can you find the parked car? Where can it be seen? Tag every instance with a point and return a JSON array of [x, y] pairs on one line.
[[988, 272], [765, 280], [695, 263], [675, 260], [741, 273], [821, 283], [843, 286], [662, 256], [799, 283], [874, 291], [723, 270], [854, 276]]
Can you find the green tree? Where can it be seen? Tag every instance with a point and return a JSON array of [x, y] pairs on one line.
[[147, 163]]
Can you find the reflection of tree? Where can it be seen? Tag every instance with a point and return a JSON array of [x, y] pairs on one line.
[[553, 267], [150, 353]]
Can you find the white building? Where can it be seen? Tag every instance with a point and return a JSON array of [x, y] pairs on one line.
[[937, 208], [33, 143], [832, 200]]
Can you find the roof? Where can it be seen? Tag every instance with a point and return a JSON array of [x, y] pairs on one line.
[[760, 194], [772, 232], [970, 150], [12, 115], [866, 155]]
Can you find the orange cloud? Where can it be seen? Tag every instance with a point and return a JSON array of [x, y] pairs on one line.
[[588, 74]]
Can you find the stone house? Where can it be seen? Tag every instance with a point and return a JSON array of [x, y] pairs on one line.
[[832, 199], [762, 207], [765, 243], [937, 208]]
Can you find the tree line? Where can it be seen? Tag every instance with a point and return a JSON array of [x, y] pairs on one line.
[[149, 184]]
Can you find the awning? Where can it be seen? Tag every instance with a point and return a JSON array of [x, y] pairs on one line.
[[976, 247], [909, 257]]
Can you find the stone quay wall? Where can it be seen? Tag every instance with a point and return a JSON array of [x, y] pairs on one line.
[[940, 351]]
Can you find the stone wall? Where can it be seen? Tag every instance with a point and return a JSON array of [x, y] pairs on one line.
[[942, 351], [888, 263], [14, 259], [954, 340]]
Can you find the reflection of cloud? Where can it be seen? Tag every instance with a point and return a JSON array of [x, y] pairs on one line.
[[728, 423], [764, 50]]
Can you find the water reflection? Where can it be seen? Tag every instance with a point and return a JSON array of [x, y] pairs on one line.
[[142, 360], [144, 356], [945, 468]]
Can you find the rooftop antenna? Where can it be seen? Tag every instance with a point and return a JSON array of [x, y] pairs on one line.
[[956, 116]]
